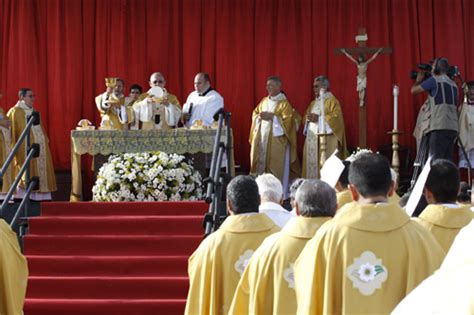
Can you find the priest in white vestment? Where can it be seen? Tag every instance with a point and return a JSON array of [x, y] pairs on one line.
[[203, 103]]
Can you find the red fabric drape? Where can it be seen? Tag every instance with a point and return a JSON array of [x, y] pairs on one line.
[[63, 49]]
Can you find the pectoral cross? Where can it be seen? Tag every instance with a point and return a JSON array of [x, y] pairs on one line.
[[362, 64]]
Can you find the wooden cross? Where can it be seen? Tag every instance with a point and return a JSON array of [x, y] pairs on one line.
[[362, 62]]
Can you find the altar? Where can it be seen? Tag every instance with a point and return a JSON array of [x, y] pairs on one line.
[[105, 142]]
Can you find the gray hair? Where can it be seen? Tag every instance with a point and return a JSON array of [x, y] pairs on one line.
[[156, 74], [324, 81], [316, 198], [269, 188]]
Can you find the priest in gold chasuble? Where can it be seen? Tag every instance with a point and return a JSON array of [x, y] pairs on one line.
[[5, 148], [273, 136], [112, 105], [217, 264], [370, 255], [41, 166], [13, 272], [443, 217], [162, 112], [315, 117], [267, 285]]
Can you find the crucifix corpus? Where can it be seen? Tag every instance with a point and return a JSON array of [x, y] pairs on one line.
[[362, 61]]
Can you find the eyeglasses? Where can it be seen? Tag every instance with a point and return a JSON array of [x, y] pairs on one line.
[[158, 81], [134, 92]]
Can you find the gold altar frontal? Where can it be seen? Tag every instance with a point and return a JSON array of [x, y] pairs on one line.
[[105, 142]]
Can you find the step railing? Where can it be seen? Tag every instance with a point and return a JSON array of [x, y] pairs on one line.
[[217, 180], [32, 151]]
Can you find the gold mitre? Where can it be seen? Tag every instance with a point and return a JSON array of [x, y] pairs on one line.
[[110, 82]]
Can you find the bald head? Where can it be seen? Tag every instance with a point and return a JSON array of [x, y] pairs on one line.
[[157, 79]]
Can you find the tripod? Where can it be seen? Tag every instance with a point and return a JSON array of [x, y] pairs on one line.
[[422, 156]]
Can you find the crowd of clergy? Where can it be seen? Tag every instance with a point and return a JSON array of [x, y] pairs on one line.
[[348, 248], [352, 252]]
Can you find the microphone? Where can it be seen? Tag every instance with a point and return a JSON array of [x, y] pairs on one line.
[[190, 111], [187, 116]]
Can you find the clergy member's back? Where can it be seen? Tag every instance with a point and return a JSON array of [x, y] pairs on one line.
[[370, 255], [217, 265], [451, 289], [443, 217], [267, 285], [445, 222]]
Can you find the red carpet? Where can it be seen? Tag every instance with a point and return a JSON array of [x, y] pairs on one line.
[[111, 258]]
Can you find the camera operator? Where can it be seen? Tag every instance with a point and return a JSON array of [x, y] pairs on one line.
[[442, 95]]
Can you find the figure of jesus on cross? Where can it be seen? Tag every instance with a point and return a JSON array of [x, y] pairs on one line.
[[362, 64], [361, 72]]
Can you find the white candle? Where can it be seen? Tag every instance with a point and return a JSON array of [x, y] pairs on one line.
[[395, 107], [322, 121]]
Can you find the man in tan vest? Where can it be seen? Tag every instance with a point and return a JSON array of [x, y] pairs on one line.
[[443, 117]]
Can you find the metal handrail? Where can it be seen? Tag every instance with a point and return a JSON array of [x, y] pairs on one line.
[[32, 151], [217, 180]]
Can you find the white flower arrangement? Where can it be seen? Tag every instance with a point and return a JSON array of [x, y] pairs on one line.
[[148, 176], [356, 154]]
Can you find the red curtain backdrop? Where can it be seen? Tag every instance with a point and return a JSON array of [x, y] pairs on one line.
[[63, 49]]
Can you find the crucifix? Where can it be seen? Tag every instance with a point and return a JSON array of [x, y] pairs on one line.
[[362, 64]]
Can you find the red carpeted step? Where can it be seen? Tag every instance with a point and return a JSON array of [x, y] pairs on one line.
[[110, 244], [107, 287], [111, 258], [123, 208], [137, 266], [107, 225], [104, 306]]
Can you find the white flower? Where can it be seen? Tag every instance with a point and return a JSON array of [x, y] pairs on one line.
[[289, 276], [366, 272], [243, 261], [147, 177]]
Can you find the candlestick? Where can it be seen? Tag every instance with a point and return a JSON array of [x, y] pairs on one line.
[[395, 107], [395, 147]]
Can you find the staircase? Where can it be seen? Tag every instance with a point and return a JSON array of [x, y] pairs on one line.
[[111, 258]]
